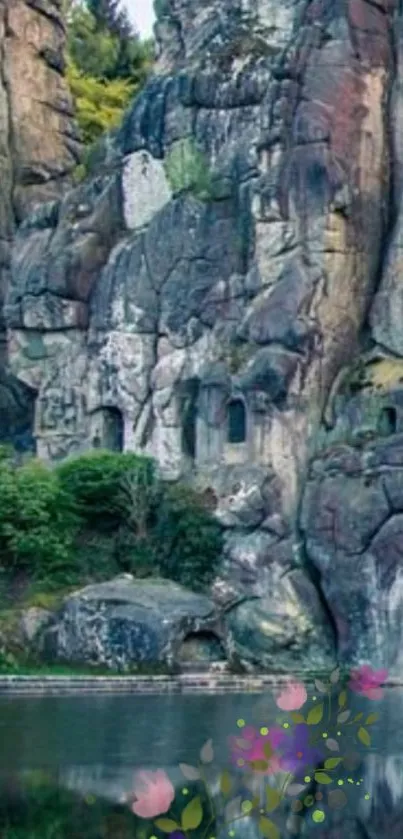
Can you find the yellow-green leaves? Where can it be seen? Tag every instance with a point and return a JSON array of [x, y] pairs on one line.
[[268, 829], [166, 825], [273, 798], [267, 750], [225, 782], [363, 736], [371, 719], [258, 765], [315, 714], [322, 778], [342, 699], [192, 814], [332, 762], [297, 718]]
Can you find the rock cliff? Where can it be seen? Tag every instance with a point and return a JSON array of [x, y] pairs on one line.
[[39, 147], [223, 291]]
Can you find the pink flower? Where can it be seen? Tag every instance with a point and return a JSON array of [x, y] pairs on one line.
[[293, 697], [367, 681], [249, 746], [154, 794]]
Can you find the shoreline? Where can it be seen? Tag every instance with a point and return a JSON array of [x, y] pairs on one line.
[[20, 685]]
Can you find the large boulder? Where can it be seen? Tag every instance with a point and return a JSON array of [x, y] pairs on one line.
[[287, 631], [125, 622]]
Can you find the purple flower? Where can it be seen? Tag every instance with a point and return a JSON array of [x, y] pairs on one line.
[[177, 834], [298, 754]]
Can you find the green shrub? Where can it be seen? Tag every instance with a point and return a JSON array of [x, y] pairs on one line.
[[99, 514], [187, 169], [188, 539], [37, 524], [95, 483]]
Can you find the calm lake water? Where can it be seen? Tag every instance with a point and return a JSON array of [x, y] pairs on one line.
[[68, 767]]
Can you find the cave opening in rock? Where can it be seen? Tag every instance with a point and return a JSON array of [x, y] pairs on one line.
[[387, 423], [108, 431], [189, 418], [204, 646], [236, 422]]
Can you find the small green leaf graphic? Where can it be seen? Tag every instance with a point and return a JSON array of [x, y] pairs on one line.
[[342, 698], [166, 825], [320, 686], [322, 778], [268, 829], [268, 750], [225, 782], [189, 772], [207, 752], [258, 765], [297, 718], [358, 717], [332, 745], [315, 715], [192, 814], [273, 798], [364, 736], [344, 716], [371, 719], [332, 762], [335, 676]]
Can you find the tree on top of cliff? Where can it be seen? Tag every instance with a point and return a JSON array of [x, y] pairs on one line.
[[107, 63]]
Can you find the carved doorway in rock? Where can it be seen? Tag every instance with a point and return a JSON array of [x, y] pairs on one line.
[[188, 412], [236, 428], [108, 429]]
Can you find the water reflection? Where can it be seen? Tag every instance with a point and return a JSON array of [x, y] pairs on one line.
[[68, 768]]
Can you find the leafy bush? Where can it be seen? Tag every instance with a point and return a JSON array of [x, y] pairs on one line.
[[107, 65], [96, 515], [188, 170], [95, 482], [188, 539], [99, 103], [37, 524]]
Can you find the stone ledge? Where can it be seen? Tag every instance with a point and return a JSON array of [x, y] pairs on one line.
[[52, 685]]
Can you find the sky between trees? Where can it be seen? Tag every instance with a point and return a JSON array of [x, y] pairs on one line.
[[142, 14]]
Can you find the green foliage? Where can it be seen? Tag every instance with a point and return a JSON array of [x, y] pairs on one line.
[[107, 64], [36, 521], [188, 539], [94, 482], [97, 515], [187, 169], [99, 104]]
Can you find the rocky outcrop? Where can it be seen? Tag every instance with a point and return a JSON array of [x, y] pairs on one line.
[[202, 296], [353, 525], [39, 147], [127, 622]]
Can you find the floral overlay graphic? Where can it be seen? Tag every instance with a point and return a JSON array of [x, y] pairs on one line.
[[305, 766]]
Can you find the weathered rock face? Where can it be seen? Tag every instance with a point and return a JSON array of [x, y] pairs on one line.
[[39, 142], [39, 147], [353, 524], [200, 295], [125, 622]]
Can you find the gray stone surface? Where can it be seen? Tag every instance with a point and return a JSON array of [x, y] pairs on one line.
[[353, 527], [127, 622], [197, 297]]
